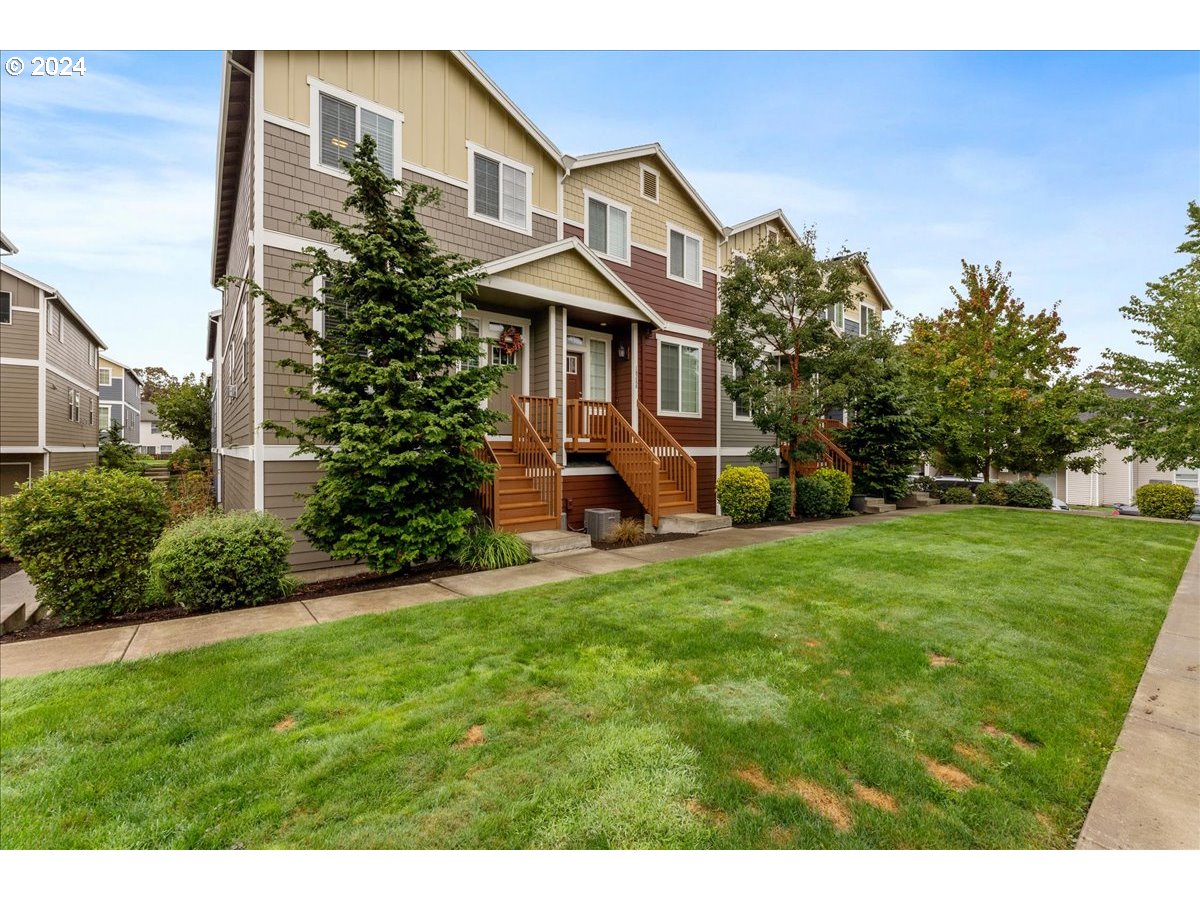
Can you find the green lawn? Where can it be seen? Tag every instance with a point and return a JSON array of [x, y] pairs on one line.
[[782, 695]]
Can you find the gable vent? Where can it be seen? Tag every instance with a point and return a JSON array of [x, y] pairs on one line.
[[649, 184]]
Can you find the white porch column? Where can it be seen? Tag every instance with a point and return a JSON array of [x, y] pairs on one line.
[[633, 374]]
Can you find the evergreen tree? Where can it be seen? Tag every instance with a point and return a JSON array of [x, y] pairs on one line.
[[400, 404]]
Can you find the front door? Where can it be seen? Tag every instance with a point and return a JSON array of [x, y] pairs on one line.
[[574, 391]]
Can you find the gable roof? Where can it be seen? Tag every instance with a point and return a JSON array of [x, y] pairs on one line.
[[104, 357], [7, 246], [505, 101], [573, 244], [861, 259], [53, 294], [610, 156], [773, 215]]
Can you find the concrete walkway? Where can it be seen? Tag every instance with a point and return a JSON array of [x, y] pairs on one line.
[[1149, 798], [131, 642]]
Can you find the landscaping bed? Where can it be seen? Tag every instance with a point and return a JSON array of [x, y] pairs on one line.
[[645, 540], [953, 681]]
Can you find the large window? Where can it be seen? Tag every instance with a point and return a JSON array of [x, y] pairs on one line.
[[5, 308], [865, 317], [607, 228], [105, 417], [342, 120], [105, 377], [741, 408], [500, 190], [684, 256], [678, 378], [597, 370]]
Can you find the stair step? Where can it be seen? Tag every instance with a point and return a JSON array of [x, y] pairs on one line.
[[523, 524], [692, 523], [550, 542]]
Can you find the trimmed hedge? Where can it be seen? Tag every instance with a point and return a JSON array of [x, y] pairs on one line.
[[814, 498], [1165, 501], [85, 537], [780, 505], [744, 493], [219, 561], [957, 495], [991, 493], [1029, 494], [840, 484]]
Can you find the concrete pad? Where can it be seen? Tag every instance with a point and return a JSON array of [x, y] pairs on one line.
[[342, 606], [693, 523], [1170, 701], [652, 553], [479, 584], [70, 651], [198, 631], [1148, 797], [596, 562], [545, 543]]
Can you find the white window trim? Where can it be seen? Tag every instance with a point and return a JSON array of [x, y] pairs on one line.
[[683, 342], [484, 316], [316, 87], [472, 149], [586, 352], [105, 370], [643, 168], [699, 259], [733, 404], [8, 294], [628, 210]]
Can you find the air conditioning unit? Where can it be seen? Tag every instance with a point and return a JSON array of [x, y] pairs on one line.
[[599, 523]]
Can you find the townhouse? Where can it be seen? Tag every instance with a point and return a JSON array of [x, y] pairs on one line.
[[599, 284], [151, 439], [49, 396], [120, 398]]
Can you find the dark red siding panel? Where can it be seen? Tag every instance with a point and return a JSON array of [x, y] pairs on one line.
[[606, 491], [706, 484], [690, 432]]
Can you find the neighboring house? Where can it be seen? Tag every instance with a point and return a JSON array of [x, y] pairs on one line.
[[120, 398], [606, 265], [151, 439], [738, 434], [49, 411]]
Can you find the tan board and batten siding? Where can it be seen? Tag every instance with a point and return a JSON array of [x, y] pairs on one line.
[[19, 339], [444, 107]]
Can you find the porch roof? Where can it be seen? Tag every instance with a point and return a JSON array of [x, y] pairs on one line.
[[567, 272]]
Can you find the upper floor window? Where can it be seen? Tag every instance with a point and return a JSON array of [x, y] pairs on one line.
[[683, 256], [105, 377], [607, 228], [93, 353], [678, 378], [51, 311], [741, 408], [834, 313], [5, 308], [500, 189], [865, 318], [341, 119]]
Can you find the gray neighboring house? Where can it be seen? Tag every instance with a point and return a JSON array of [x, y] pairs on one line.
[[120, 398], [153, 442]]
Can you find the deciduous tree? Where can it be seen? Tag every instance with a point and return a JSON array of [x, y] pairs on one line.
[[185, 411]]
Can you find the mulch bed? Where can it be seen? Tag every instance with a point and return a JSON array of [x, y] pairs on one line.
[[52, 626], [799, 520], [8, 567], [646, 539]]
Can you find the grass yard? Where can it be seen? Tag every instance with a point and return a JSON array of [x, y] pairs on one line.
[[951, 680]]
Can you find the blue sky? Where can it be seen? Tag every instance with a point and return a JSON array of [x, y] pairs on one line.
[[1074, 169]]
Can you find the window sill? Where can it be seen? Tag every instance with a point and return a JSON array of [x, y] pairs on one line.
[[695, 284], [527, 230]]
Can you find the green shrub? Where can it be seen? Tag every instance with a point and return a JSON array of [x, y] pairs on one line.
[[841, 485], [780, 505], [84, 538], [744, 493], [1165, 501], [991, 493], [1029, 494], [220, 561], [487, 548], [958, 495], [814, 498], [188, 459], [926, 484]]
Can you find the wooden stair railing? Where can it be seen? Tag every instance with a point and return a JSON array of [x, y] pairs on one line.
[[834, 456], [587, 424], [539, 463], [542, 413], [633, 459], [487, 490], [675, 461]]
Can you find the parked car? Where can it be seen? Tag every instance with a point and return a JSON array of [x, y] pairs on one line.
[[969, 483], [1059, 505], [1128, 509]]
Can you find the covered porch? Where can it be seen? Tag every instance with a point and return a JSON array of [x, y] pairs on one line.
[[573, 391]]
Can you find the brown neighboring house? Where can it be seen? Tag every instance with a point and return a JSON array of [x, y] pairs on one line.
[[49, 398], [606, 265]]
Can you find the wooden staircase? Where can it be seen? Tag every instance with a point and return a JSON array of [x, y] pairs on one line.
[[832, 455], [526, 492]]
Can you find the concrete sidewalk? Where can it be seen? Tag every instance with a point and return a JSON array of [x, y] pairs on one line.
[[137, 641], [1149, 798]]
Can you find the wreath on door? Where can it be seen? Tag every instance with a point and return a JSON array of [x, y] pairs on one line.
[[510, 340]]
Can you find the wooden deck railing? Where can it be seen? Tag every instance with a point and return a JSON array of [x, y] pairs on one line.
[[542, 413], [487, 490], [674, 460], [587, 424], [834, 456], [540, 465]]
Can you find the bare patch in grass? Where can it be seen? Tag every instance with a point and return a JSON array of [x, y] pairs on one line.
[[993, 731], [875, 797], [754, 777], [473, 738], [698, 809], [951, 776], [811, 642], [780, 836], [822, 800], [845, 673], [937, 661], [283, 724]]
